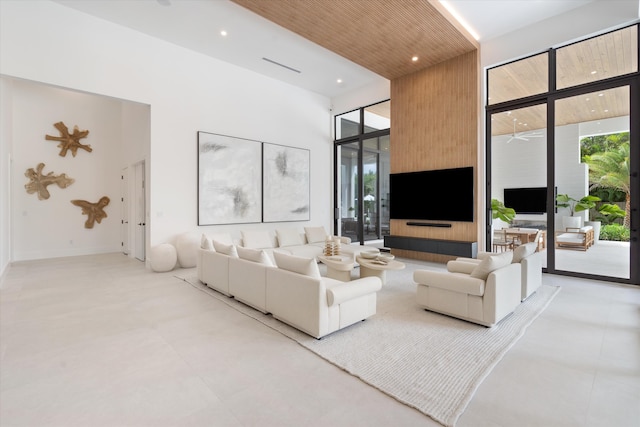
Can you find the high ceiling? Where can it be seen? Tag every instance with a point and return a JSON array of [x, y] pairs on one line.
[[375, 38], [381, 35]]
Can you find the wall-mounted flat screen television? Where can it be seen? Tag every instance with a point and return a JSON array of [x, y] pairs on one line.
[[438, 195], [526, 200]]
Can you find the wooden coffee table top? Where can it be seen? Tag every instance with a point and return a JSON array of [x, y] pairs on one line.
[[338, 262], [375, 264]]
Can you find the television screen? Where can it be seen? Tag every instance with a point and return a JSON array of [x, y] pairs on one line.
[[526, 200], [438, 195]]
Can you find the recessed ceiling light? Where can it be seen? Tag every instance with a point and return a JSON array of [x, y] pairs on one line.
[[339, 80], [601, 94], [594, 72], [414, 58], [606, 111], [587, 99], [223, 33], [593, 111]]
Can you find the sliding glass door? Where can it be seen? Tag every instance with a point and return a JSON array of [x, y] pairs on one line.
[[362, 173], [519, 177], [364, 188], [566, 122], [593, 174], [349, 156]]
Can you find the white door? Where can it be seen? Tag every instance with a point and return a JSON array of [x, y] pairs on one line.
[[124, 210], [140, 212]]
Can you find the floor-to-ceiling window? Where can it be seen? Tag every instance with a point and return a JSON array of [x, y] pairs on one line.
[[563, 126], [362, 172]]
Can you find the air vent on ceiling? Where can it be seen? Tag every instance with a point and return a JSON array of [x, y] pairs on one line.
[[282, 65]]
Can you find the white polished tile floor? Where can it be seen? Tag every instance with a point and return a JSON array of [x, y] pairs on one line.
[[100, 341]]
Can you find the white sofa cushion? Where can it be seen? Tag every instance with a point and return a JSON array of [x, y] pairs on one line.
[[457, 266], [223, 248], [296, 264], [315, 234], [254, 255], [524, 251], [205, 242], [494, 262], [258, 239], [289, 237]]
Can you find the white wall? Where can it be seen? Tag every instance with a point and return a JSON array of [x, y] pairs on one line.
[[186, 92], [590, 19], [5, 173], [55, 227], [366, 95]]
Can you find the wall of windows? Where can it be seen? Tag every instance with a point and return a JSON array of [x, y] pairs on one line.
[[557, 120], [362, 172]]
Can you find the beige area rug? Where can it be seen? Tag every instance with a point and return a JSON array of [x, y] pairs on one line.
[[425, 360]]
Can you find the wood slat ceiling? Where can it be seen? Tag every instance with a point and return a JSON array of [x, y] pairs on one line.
[[380, 35], [577, 109], [383, 35], [608, 55]]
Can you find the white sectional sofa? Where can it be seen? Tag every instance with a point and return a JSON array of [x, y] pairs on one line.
[[299, 296], [309, 243], [289, 286]]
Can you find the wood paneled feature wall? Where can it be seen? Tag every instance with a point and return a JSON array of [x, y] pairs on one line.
[[435, 124]]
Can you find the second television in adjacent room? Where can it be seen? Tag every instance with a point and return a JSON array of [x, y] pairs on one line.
[[531, 200]]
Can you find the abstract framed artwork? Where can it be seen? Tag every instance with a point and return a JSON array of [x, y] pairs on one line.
[[286, 183], [229, 180]]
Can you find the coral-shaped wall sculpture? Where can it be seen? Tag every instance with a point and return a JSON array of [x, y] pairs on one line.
[[69, 141], [94, 211], [38, 182]]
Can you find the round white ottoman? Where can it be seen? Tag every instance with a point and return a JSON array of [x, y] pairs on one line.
[[163, 257], [187, 245]]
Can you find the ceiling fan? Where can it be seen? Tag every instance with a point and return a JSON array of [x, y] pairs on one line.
[[523, 136]]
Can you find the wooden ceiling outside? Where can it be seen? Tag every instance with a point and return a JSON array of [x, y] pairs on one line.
[[601, 57], [380, 35]]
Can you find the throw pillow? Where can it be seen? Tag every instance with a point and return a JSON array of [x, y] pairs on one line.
[[256, 239], [296, 264], [254, 255], [523, 251], [315, 234], [225, 249], [490, 264], [289, 237], [205, 242]]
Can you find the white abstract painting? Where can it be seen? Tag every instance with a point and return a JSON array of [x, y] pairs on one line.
[[229, 180], [286, 183]]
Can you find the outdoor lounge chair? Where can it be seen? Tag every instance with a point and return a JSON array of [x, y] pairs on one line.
[[575, 238]]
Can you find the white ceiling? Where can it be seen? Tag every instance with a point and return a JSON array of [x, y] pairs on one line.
[[196, 25], [493, 18]]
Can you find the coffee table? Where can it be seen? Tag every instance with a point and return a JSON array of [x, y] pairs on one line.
[[376, 268], [338, 266]]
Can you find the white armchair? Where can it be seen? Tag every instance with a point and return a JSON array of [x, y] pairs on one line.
[[484, 293], [527, 256]]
